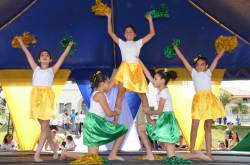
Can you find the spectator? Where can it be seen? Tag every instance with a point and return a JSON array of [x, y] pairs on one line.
[[238, 120], [8, 143], [222, 146], [225, 120], [82, 117], [70, 144], [228, 133], [72, 119], [235, 140], [77, 124], [66, 121]]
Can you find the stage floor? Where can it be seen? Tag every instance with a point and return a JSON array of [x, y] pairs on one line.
[[26, 158]]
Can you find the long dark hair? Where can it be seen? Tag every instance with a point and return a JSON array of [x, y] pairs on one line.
[[237, 137], [96, 79], [167, 75], [5, 141]]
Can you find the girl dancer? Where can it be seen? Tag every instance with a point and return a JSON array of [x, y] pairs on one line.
[[42, 96], [97, 130], [166, 129], [205, 105], [130, 75]]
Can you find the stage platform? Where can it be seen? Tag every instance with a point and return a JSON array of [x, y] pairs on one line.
[[222, 157]]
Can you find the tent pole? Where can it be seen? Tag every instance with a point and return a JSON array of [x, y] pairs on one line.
[[19, 14], [113, 27]]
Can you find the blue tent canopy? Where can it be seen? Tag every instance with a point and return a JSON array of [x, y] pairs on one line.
[[50, 21], [234, 15]]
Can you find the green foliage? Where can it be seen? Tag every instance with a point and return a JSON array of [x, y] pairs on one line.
[[224, 97]]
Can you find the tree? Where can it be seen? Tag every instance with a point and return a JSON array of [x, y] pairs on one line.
[[241, 107], [224, 97]]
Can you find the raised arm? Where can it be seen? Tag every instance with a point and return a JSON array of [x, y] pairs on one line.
[[146, 72], [62, 58], [151, 33], [101, 99], [27, 53], [183, 59], [215, 61], [110, 29]]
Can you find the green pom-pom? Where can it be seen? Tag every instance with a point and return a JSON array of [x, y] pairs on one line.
[[169, 51], [105, 161], [176, 160], [160, 12], [65, 41]]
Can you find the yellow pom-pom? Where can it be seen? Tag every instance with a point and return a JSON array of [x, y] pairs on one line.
[[27, 38], [100, 8], [228, 43], [88, 159], [14, 42], [156, 157]]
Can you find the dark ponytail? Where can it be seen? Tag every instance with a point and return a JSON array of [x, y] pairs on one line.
[[97, 78], [167, 75]]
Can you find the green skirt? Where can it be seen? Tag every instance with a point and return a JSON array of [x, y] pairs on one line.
[[98, 130], [165, 129]]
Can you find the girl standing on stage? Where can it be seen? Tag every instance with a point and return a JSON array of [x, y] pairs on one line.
[[205, 105], [42, 96]]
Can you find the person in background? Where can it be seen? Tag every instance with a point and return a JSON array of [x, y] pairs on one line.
[[235, 140], [66, 122], [72, 120], [228, 133], [8, 143], [222, 146], [82, 118], [238, 120], [70, 144], [77, 124]]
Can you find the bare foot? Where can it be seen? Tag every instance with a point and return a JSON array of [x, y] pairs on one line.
[[150, 157], [115, 157], [195, 151], [202, 156], [55, 156], [37, 159], [211, 157]]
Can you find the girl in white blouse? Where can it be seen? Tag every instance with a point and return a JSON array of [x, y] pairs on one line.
[[205, 105], [42, 96], [130, 75]]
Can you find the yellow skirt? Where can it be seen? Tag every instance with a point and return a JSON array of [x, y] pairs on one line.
[[131, 76], [206, 106], [42, 103]]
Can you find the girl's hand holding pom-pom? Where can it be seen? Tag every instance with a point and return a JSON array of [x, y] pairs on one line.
[[149, 17], [108, 14]]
